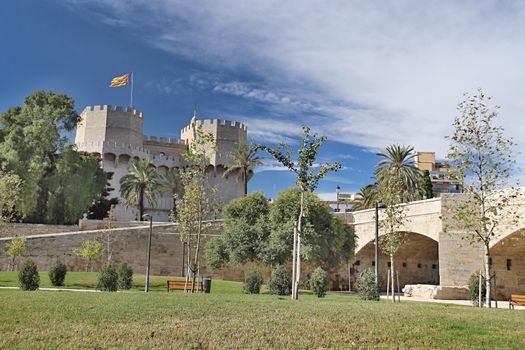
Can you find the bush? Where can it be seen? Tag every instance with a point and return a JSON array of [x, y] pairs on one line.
[[319, 282], [253, 282], [28, 277], [125, 276], [473, 289], [57, 273], [280, 283], [366, 285], [108, 278]]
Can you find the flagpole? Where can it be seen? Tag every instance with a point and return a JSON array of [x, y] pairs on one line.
[[131, 102]]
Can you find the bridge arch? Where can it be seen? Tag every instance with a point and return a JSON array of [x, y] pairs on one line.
[[417, 261]]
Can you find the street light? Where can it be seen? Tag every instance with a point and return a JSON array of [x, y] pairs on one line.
[[376, 242], [150, 218], [337, 191]]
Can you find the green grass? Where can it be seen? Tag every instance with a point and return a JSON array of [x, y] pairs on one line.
[[229, 319]]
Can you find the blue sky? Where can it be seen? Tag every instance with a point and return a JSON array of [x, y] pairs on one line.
[[365, 74]]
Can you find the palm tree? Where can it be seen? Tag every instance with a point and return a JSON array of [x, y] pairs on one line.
[[244, 161], [171, 182], [366, 198], [142, 182], [399, 162]]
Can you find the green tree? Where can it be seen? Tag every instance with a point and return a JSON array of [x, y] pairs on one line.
[[141, 183], [306, 179], [199, 202], [15, 249], [10, 186], [391, 225], [172, 183], [102, 205], [90, 250], [76, 181], [398, 162], [485, 162], [366, 198], [245, 159], [427, 185], [33, 137]]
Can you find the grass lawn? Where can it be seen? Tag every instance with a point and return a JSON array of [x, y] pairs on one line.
[[229, 319]]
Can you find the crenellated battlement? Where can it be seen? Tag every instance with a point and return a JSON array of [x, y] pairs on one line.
[[116, 109], [219, 123]]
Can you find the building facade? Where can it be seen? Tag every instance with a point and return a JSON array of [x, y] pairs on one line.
[[116, 136], [444, 178]]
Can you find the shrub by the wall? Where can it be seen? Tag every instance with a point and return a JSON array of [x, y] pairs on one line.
[[319, 282], [473, 289], [108, 278], [57, 273], [366, 285], [253, 282], [28, 278], [125, 276], [280, 282]]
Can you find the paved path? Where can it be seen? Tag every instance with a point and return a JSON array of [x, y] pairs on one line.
[[60, 289], [501, 304]]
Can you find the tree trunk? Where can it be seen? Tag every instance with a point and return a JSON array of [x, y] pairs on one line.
[[141, 204], [294, 258], [487, 275], [197, 251], [188, 246], [349, 276], [392, 277], [245, 178], [298, 255]]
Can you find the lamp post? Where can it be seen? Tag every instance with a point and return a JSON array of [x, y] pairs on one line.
[[150, 218], [337, 191], [376, 241]]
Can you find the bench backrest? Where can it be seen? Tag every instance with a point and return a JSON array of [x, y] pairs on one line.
[[518, 298], [182, 284]]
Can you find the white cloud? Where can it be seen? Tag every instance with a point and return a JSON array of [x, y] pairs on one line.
[[369, 73]]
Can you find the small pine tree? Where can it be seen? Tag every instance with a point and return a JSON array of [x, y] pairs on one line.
[[108, 278], [319, 282], [57, 273], [280, 282], [253, 282], [366, 285], [427, 185], [125, 276], [28, 277]]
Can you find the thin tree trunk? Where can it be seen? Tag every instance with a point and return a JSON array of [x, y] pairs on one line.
[[141, 204], [487, 274], [298, 256], [197, 250], [349, 276], [294, 260], [188, 247], [392, 277], [245, 184]]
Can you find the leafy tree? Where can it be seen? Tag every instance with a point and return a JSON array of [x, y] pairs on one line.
[[427, 185], [246, 231], [244, 161], [485, 162], [74, 183], [280, 282], [140, 184], [15, 249], [319, 282], [306, 180], [198, 202], [172, 183], [366, 285], [125, 276], [398, 162], [107, 279], [33, 136], [57, 273], [10, 187], [90, 250], [366, 198], [55, 184], [102, 205], [252, 282], [394, 218]]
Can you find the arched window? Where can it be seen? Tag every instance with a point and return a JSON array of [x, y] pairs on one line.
[[162, 156]]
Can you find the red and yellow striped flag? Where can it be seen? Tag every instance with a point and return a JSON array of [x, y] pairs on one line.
[[120, 81]]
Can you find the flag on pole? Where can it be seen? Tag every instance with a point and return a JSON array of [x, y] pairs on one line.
[[123, 80]]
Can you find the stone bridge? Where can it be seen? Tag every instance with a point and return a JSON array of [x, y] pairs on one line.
[[432, 256]]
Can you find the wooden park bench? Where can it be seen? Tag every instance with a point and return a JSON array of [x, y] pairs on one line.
[[516, 299], [179, 285]]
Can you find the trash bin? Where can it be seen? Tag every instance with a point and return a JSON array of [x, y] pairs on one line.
[[206, 284]]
